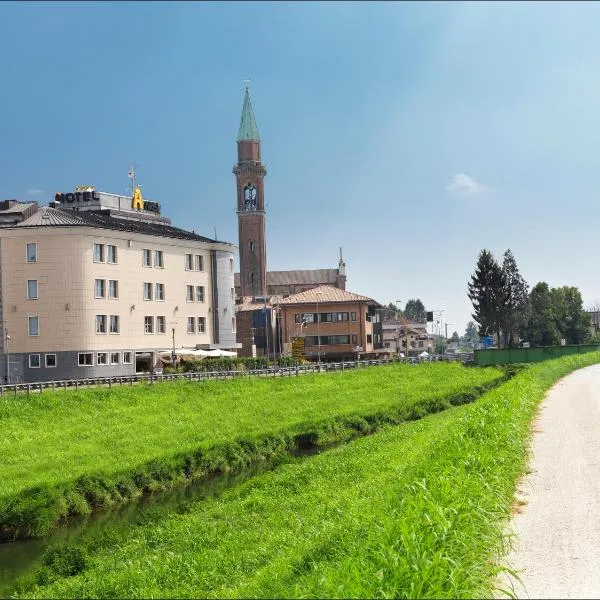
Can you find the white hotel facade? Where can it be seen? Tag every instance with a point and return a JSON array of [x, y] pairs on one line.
[[92, 287]]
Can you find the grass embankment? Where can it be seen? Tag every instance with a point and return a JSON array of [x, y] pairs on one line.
[[64, 453], [414, 511]]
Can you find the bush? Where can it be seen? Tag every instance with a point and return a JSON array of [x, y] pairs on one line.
[[236, 363]]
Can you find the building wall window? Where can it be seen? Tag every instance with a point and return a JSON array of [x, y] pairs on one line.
[[189, 262], [252, 278], [231, 265], [113, 288], [233, 294], [111, 254], [201, 324], [102, 358], [251, 246], [99, 288], [199, 262], [114, 358], [100, 323], [98, 252], [115, 326], [148, 324], [354, 340], [127, 358], [369, 338], [50, 361], [33, 324], [34, 361], [199, 293], [147, 257], [85, 359], [161, 326], [160, 291], [32, 289], [147, 291], [158, 259], [233, 324], [191, 325], [31, 252], [353, 316], [189, 293]]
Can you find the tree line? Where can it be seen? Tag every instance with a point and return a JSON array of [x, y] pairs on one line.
[[504, 307]]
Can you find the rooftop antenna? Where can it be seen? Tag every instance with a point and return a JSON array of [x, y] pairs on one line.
[[247, 83], [215, 228], [133, 176]]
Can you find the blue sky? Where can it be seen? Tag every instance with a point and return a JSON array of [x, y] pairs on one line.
[[411, 134]]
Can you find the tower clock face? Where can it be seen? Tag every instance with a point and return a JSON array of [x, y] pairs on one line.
[[250, 197]]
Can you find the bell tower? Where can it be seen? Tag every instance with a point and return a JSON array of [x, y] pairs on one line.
[[249, 174]]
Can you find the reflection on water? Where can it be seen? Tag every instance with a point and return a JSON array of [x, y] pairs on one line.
[[20, 556]]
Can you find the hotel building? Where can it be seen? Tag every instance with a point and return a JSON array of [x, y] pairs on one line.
[[99, 285]]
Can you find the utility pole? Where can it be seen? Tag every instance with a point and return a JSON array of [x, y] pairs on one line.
[[318, 331], [6, 340], [173, 355]]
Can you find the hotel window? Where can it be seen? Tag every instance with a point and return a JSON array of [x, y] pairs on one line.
[[114, 358], [102, 358], [353, 316], [115, 326], [50, 361], [199, 293], [32, 289], [31, 252], [98, 252], [160, 291], [147, 291], [191, 325], [231, 265], [34, 361], [85, 359], [100, 323], [33, 325], [111, 254], [233, 324], [147, 257], [161, 325], [201, 324], [127, 358], [148, 324], [189, 295], [189, 262], [99, 290], [158, 259], [113, 288], [199, 262]]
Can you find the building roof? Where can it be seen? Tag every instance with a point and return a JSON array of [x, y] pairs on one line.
[[324, 294], [251, 303], [248, 129], [302, 277], [18, 208], [55, 217]]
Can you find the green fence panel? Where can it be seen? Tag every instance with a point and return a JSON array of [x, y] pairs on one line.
[[503, 356]]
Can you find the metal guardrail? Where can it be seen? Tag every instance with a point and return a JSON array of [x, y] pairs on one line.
[[211, 375]]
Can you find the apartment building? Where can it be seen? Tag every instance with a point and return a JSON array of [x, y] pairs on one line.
[[334, 323], [107, 288]]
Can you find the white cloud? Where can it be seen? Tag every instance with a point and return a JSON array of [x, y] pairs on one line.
[[465, 186], [34, 192]]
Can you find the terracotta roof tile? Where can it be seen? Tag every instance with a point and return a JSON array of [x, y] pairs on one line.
[[298, 277], [324, 294]]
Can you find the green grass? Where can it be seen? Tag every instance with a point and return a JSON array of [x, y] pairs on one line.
[[64, 453], [415, 511]]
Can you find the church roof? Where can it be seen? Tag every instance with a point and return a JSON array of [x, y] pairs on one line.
[[324, 294], [248, 129], [301, 277]]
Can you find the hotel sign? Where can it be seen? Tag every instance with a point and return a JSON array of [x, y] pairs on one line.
[[77, 197], [104, 201]]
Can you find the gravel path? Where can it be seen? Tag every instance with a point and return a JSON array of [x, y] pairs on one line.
[[557, 549]]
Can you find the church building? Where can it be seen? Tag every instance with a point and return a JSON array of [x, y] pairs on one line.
[[253, 280]]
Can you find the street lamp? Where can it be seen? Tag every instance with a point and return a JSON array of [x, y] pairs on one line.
[[405, 332], [7, 338], [319, 293]]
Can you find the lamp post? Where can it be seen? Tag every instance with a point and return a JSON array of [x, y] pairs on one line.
[[173, 355], [7, 338], [405, 332], [318, 330]]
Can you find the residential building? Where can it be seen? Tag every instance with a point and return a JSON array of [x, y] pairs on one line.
[[335, 324], [101, 285], [398, 332]]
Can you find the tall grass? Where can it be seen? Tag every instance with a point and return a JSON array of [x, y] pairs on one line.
[[64, 453], [415, 511]]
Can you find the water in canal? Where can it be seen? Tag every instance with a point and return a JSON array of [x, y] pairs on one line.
[[20, 556]]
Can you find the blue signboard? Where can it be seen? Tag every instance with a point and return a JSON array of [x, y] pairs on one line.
[[488, 341]]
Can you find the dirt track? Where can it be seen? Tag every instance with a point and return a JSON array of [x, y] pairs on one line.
[[557, 548]]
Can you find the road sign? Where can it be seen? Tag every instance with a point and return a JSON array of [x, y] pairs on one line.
[[298, 348]]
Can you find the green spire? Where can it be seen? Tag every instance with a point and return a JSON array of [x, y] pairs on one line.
[[248, 129]]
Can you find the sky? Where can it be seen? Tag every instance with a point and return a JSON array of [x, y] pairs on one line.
[[412, 135]]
